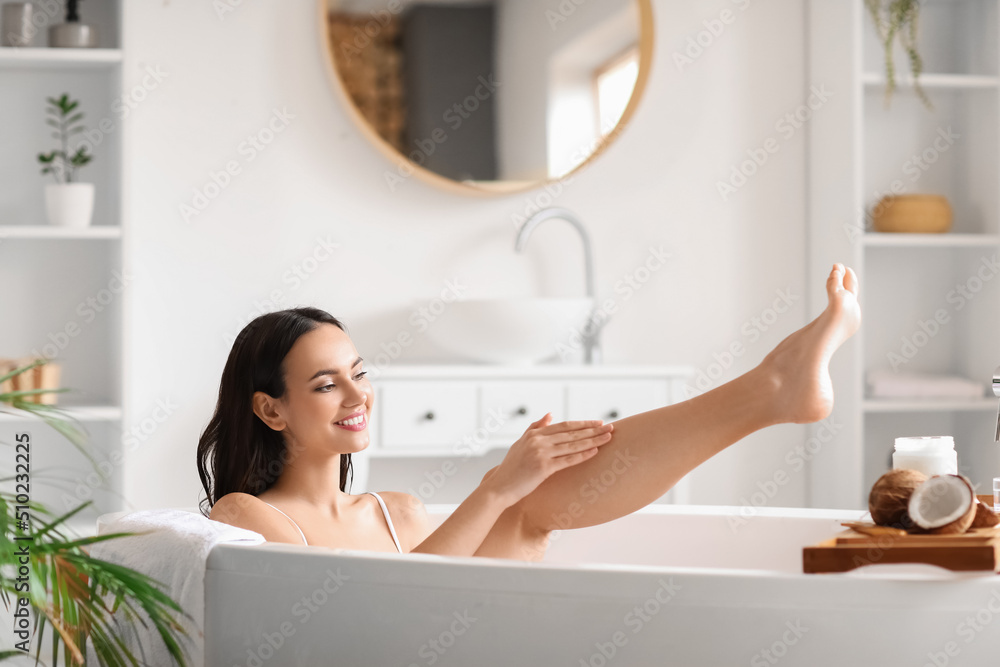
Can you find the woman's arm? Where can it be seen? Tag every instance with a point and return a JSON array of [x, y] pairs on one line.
[[465, 528], [543, 450]]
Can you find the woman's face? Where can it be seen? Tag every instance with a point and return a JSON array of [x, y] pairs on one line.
[[325, 384]]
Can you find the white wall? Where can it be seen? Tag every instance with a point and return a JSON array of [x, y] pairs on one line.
[[197, 283]]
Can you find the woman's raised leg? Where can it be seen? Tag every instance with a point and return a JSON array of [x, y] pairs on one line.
[[650, 452]]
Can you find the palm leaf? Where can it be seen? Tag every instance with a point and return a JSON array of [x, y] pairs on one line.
[[68, 587], [73, 583], [60, 420], [33, 364], [9, 396]]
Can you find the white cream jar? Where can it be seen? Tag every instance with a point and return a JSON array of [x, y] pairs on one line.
[[931, 455]]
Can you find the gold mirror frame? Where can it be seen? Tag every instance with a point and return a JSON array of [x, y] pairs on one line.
[[646, 36]]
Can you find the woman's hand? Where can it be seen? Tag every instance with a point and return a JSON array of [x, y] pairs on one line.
[[543, 450]]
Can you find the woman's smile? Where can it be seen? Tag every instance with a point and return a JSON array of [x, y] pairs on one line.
[[358, 422]]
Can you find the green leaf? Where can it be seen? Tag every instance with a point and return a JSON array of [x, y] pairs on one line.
[[23, 369], [70, 590], [59, 420], [9, 396]]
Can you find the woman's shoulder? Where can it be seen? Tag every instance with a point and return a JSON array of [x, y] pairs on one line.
[[245, 510], [409, 516], [403, 504]]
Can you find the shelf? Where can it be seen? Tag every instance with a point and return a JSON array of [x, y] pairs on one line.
[[937, 81], [896, 240], [51, 232], [885, 405], [46, 58], [88, 413]]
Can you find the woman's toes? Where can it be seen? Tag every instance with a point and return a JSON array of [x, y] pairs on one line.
[[851, 281], [836, 281]]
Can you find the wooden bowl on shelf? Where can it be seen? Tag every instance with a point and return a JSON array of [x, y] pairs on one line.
[[912, 214]]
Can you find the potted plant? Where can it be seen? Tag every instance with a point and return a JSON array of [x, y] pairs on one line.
[[69, 589], [68, 203], [898, 19]]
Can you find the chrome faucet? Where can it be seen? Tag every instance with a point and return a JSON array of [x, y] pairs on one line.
[[592, 330], [996, 392]]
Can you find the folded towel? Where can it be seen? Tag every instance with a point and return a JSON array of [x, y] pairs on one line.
[[889, 384], [175, 553]]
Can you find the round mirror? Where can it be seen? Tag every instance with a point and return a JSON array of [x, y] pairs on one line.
[[493, 95]]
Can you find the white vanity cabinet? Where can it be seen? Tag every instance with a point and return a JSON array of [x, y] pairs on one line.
[[468, 410], [415, 414]]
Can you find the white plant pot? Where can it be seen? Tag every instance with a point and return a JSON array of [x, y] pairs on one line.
[[69, 204]]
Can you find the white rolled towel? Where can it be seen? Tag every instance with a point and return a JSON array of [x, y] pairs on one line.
[[174, 553], [889, 384]]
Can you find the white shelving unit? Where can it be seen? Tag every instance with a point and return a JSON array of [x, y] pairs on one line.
[[64, 291], [929, 301], [46, 232], [83, 413], [60, 59]]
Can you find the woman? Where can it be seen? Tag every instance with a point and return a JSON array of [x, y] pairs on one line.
[[278, 443]]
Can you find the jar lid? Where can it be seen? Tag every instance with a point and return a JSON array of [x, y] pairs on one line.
[[927, 443]]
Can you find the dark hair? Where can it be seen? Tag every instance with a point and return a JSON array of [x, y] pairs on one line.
[[238, 450]]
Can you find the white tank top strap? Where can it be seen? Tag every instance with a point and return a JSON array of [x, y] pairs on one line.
[[388, 520], [290, 519]]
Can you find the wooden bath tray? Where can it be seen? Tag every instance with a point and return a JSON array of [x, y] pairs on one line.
[[978, 549]]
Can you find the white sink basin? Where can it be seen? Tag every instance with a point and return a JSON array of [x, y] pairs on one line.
[[517, 331]]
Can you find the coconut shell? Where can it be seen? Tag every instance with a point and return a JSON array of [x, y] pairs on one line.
[[890, 496], [985, 517]]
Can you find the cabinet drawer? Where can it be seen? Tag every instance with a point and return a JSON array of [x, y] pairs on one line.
[[518, 403], [426, 413], [613, 399]]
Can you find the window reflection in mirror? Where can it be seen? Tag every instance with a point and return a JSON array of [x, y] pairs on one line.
[[613, 85], [497, 93]]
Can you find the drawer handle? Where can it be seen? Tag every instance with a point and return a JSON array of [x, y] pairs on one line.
[[521, 411], [429, 416], [613, 414]]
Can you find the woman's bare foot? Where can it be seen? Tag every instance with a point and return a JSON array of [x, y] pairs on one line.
[[798, 368]]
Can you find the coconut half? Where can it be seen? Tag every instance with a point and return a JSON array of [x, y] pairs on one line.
[[943, 505], [890, 497]]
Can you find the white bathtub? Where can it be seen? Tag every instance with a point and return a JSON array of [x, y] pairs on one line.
[[669, 585]]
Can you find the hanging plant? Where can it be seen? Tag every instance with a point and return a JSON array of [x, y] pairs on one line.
[[898, 19]]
